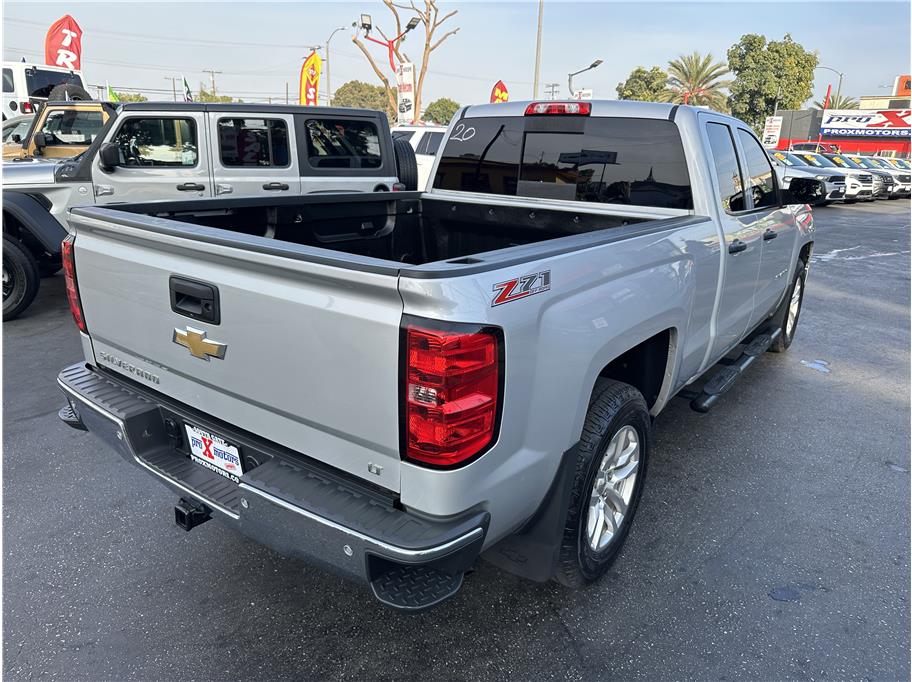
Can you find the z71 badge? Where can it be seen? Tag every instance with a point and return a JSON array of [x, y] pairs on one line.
[[521, 287]]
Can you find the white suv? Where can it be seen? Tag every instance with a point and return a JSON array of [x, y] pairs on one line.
[[425, 140], [27, 86]]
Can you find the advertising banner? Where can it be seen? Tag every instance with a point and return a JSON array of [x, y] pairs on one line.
[[63, 44], [893, 123], [405, 86], [310, 79], [772, 129], [499, 93], [902, 86]]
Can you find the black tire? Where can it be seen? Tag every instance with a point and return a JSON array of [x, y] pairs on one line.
[[787, 335], [614, 406], [406, 165], [68, 91], [21, 279]]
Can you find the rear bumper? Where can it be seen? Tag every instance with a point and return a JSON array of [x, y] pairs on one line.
[[297, 507]]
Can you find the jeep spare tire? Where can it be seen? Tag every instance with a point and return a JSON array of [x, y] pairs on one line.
[[68, 91], [406, 165]]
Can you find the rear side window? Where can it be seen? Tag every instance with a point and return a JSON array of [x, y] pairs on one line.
[[40, 82], [72, 127], [429, 144], [253, 142], [8, 85], [151, 142], [728, 172], [342, 144], [638, 162], [759, 170]]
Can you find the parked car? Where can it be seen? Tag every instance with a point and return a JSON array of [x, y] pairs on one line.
[[859, 183], [902, 164], [902, 186], [425, 140], [154, 151], [391, 384], [883, 181], [816, 147], [789, 166], [27, 86], [62, 130], [15, 129]]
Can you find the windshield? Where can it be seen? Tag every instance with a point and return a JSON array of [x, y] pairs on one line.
[[865, 162], [900, 163], [788, 159], [72, 127], [19, 128], [815, 160], [844, 162]]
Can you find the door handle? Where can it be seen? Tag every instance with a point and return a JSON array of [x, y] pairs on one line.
[[191, 187], [281, 186], [194, 299], [770, 234], [737, 246]]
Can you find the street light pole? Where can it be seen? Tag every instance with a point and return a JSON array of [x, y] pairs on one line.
[[329, 97], [577, 73], [541, 9], [839, 84]]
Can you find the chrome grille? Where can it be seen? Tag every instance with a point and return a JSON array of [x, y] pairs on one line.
[[905, 178], [865, 179]]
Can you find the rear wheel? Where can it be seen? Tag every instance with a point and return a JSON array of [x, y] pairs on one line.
[[20, 278], [613, 452], [790, 310]]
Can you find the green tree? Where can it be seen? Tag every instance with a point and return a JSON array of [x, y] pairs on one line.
[[698, 80], [204, 95], [644, 85], [131, 97], [840, 102], [441, 110], [361, 95], [765, 71]]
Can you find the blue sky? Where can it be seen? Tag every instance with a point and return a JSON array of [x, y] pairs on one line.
[[258, 46]]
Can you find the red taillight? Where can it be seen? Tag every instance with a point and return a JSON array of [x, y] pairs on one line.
[[72, 289], [559, 109], [451, 393], [27, 108]]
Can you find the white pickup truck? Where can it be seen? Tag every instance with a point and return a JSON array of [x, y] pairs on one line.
[[395, 384]]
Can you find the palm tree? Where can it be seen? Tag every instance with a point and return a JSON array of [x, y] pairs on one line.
[[839, 102], [697, 79]]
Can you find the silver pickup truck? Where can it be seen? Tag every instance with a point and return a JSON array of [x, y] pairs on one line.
[[395, 384]]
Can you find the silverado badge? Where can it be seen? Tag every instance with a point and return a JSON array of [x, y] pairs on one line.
[[199, 346]]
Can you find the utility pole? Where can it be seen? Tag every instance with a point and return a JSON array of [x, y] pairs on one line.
[[173, 80], [212, 73], [286, 92], [551, 90], [541, 10]]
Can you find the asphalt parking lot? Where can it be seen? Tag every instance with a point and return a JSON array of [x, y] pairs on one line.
[[772, 540]]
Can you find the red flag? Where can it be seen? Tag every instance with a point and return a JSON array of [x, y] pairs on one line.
[[63, 43], [499, 93]]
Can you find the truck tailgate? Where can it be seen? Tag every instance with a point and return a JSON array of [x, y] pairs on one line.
[[311, 350]]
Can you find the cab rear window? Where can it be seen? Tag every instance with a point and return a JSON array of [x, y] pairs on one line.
[[632, 161]]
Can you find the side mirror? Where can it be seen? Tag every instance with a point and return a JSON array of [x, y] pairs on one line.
[[804, 191], [109, 157], [16, 138], [40, 140]]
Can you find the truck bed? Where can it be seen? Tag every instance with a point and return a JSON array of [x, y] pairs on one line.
[[406, 231]]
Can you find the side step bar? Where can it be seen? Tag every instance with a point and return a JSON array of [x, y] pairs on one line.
[[725, 378]]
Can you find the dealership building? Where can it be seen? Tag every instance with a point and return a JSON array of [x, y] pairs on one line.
[[881, 125]]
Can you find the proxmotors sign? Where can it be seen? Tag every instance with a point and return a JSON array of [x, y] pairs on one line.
[[893, 123]]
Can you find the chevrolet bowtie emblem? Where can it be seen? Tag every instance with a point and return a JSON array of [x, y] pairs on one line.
[[199, 346]]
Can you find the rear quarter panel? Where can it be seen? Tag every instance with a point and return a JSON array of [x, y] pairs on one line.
[[602, 301]]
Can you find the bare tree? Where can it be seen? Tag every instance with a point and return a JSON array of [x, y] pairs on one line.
[[428, 17]]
